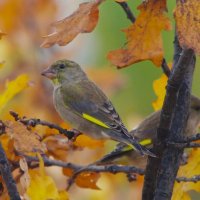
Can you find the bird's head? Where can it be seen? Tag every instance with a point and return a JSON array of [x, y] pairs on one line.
[[64, 71]]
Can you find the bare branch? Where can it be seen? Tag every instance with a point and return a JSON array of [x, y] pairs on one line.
[[7, 176], [185, 179], [34, 122], [127, 10], [165, 68]]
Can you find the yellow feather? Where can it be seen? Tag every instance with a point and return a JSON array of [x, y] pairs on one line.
[[146, 142], [94, 120]]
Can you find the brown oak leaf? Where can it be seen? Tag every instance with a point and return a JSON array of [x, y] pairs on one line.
[[83, 20], [144, 36]]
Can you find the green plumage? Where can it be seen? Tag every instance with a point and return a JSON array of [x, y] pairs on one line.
[[75, 97]]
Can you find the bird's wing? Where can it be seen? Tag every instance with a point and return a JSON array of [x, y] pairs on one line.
[[90, 102]]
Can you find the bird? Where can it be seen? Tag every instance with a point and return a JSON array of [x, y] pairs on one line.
[[145, 133], [80, 102]]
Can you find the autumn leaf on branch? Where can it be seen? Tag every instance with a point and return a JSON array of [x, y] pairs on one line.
[[84, 179], [159, 87], [83, 20], [192, 168], [43, 186], [187, 16], [144, 36]]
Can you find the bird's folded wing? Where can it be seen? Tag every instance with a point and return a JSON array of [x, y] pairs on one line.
[[87, 100]]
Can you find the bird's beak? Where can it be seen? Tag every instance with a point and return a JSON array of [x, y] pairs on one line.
[[49, 73]]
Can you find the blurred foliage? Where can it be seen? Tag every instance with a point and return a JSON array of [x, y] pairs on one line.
[[131, 90]]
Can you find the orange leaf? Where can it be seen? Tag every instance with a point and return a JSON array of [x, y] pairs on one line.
[[187, 16], [85, 141], [144, 36], [181, 190], [85, 179], [83, 20], [88, 180], [8, 146]]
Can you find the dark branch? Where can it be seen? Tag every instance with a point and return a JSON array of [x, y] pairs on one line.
[[191, 138], [127, 10], [192, 179], [165, 68], [161, 171], [33, 122], [111, 168], [7, 176]]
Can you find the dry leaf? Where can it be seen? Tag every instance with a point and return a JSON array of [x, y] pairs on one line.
[[144, 36], [13, 88], [85, 179], [181, 189], [57, 146], [42, 187], [25, 141], [83, 20], [85, 141], [187, 16]]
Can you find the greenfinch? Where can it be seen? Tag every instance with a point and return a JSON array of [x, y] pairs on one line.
[[84, 105]]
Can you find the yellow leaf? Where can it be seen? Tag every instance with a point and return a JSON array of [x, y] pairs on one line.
[[144, 36], [85, 141], [181, 189], [159, 89], [42, 187], [187, 16], [13, 88]]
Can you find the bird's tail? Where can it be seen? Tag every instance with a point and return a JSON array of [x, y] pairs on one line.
[[123, 149], [140, 147]]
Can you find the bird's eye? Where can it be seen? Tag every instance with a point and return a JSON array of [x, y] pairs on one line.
[[61, 66]]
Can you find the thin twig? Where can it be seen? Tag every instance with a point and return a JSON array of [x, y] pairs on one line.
[[127, 10], [111, 168], [33, 122], [7, 176], [185, 179], [165, 68], [191, 138]]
